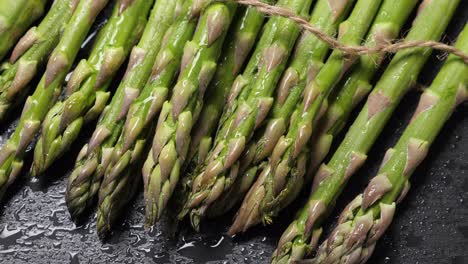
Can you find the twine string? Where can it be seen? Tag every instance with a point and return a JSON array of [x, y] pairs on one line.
[[352, 50]]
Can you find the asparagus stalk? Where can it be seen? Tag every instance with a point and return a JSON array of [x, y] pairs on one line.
[[241, 40], [161, 170], [15, 18], [87, 89], [30, 54], [49, 88], [85, 179], [305, 64], [115, 185], [248, 105], [139, 125], [367, 217], [283, 176], [386, 27]]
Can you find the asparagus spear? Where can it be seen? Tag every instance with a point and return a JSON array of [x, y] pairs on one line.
[[367, 217], [306, 63], [86, 177], [128, 151], [30, 54], [35, 109], [283, 176], [241, 40], [15, 18], [118, 183], [170, 146], [386, 27], [248, 104], [87, 89]]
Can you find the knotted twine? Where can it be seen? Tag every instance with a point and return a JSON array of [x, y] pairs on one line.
[[352, 50]]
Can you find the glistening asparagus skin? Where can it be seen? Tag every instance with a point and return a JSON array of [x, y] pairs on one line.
[[131, 147], [299, 239], [367, 217], [87, 88], [241, 40], [15, 18], [305, 63], [284, 174], [30, 54], [48, 90], [161, 171], [86, 177], [246, 109]]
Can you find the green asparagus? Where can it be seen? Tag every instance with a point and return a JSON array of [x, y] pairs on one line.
[[48, 90], [87, 89], [130, 147], [247, 106], [15, 18], [367, 217], [161, 170], [118, 183], [306, 63], [283, 175], [30, 54], [386, 27], [85, 179]]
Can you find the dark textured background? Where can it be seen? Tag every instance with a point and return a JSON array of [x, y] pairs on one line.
[[431, 225]]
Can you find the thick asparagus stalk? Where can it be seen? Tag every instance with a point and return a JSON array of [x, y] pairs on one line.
[[388, 23], [87, 89], [49, 88], [85, 179], [367, 217], [170, 146], [30, 54], [130, 148], [248, 105], [283, 176], [306, 63], [15, 18]]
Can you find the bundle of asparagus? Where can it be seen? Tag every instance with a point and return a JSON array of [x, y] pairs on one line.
[[304, 232], [386, 27], [305, 63], [86, 177], [48, 90], [172, 137], [367, 217], [272, 114], [283, 176], [86, 93], [248, 104]]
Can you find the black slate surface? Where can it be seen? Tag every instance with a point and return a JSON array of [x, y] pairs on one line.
[[431, 226]]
